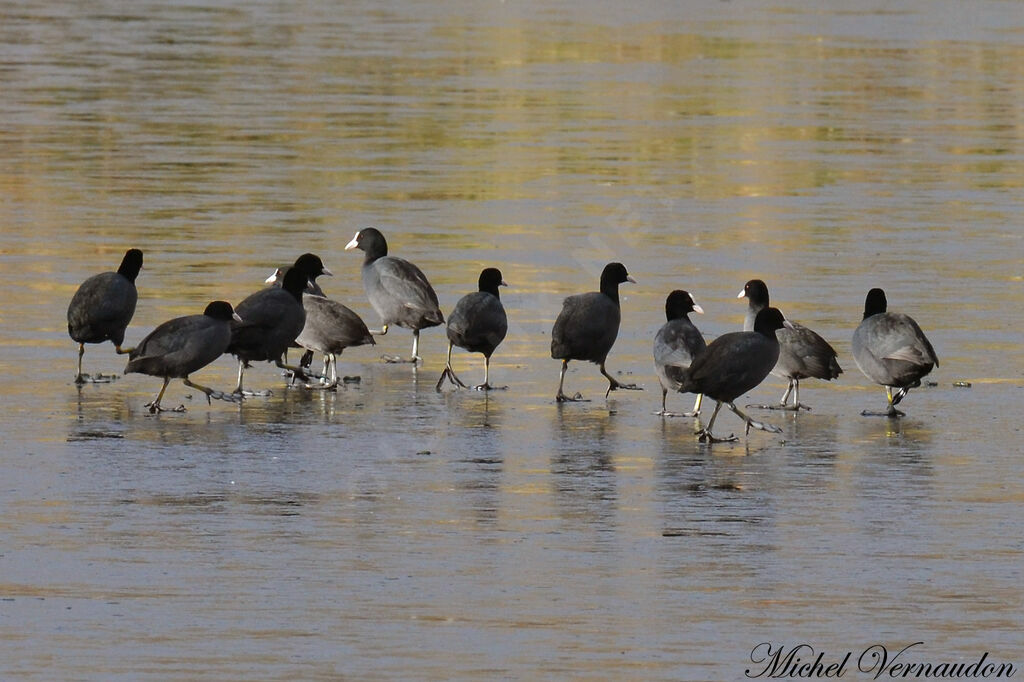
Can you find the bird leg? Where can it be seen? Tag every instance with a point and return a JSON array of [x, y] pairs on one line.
[[614, 385], [892, 412], [296, 371], [238, 388], [398, 359], [81, 378], [154, 406], [751, 423], [665, 413], [213, 394], [783, 404], [486, 386], [379, 332], [562, 397], [449, 373], [705, 435]]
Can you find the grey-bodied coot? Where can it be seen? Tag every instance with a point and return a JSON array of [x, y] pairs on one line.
[[478, 323], [271, 320], [802, 352], [397, 289], [676, 344], [184, 345], [733, 364], [587, 327], [102, 307], [891, 350]]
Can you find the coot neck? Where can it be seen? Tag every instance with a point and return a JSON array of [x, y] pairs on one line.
[[875, 304], [610, 288], [377, 248], [491, 289], [130, 265]]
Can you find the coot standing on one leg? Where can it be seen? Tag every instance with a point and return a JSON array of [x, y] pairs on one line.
[[397, 289], [676, 344], [102, 308], [802, 352], [731, 365], [184, 345], [478, 323], [891, 350], [587, 327]]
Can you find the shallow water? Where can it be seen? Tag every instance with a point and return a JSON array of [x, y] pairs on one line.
[[387, 531]]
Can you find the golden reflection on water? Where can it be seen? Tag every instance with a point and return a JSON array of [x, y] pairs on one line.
[[468, 536]]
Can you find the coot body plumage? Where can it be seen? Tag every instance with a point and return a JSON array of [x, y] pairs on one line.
[[478, 323], [891, 350], [184, 345], [587, 327], [733, 364], [397, 289], [103, 306], [676, 344], [330, 328], [803, 353]]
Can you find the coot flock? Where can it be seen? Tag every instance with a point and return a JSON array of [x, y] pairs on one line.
[[889, 348]]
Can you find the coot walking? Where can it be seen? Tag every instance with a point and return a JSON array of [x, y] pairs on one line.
[[478, 323], [731, 365], [802, 352], [271, 319], [102, 308], [184, 345], [397, 289], [587, 327]]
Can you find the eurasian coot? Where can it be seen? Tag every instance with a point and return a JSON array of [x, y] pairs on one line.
[[478, 324], [102, 307], [731, 365], [802, 352], [891, 350], [587, 327], [397, 289], [184, 345], [676, 344], [271, 319]]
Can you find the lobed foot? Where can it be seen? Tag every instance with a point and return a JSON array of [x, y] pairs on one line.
[[705, 436], [253, 394], [399, 360], [488, 387], [666, 413], [97, 379], [782, 406], [154, 408], [771, 428], [892, 414], [577, 398]]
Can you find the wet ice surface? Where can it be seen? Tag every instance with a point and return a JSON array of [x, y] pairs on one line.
[[387, 531]]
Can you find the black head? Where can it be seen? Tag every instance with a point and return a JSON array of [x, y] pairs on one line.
[[490, 280], [130, 264], [295, 282], [769, 320], [220, 310], [757, 292], [679, 304], [875, 303], [311, 264], [371, 241]]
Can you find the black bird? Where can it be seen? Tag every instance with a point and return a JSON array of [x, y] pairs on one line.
[[676, 344], [891, 350], [478, 324], [803, 353], [733, 364], [102, 308], [397, 289], [184, 345], [330, 326], [271, 320], [587, 327]]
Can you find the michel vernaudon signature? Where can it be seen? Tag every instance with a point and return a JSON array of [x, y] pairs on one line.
[[877, 661]]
